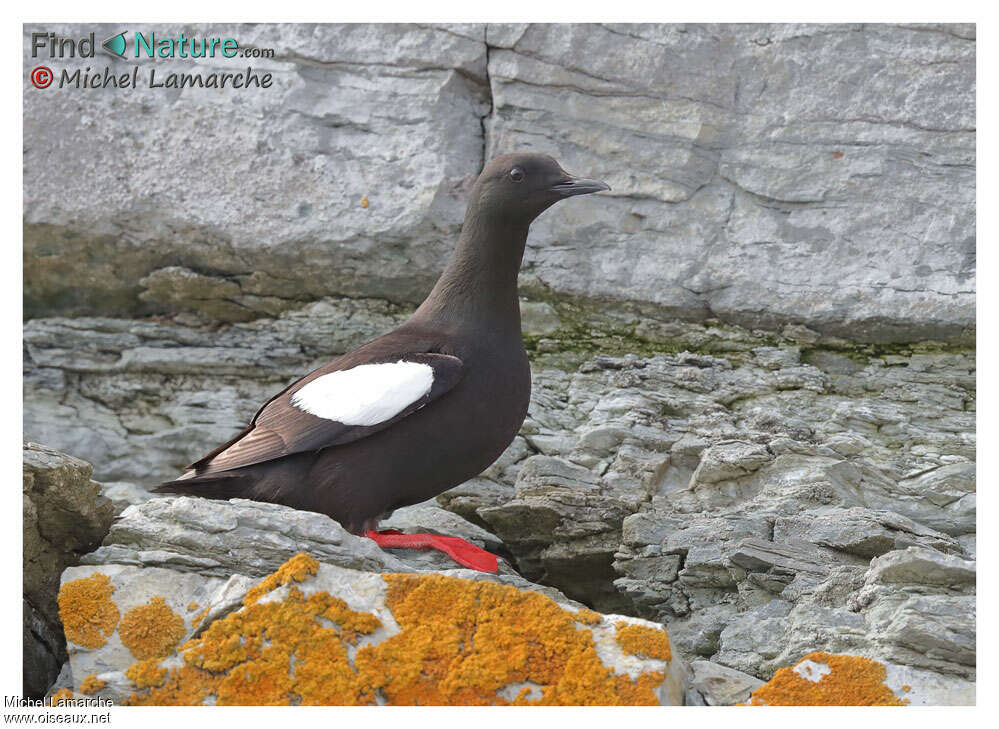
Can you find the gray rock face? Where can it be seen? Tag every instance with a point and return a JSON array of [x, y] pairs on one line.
[[691, 488], [688, 488], [65, 516], [144, 398], [390, 114], [222, 537], [789, 174], [722, 686]]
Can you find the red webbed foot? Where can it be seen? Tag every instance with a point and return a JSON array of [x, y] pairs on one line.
[[465, 554]]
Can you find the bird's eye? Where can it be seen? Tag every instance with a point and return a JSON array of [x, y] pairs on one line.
[[516, 174]]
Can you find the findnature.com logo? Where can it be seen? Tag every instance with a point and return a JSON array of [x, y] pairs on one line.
[[144, 46]]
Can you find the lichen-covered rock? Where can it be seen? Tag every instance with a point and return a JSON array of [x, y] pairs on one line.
[[823, 679], [64, 517], [313, 633]]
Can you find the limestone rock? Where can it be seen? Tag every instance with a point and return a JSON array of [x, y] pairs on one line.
[[328, 104], [219, 538], [742, 191], [64, 516], [555, 497], [717, 156], [922, 566], [860, 531], [597, 496], [722, 686]]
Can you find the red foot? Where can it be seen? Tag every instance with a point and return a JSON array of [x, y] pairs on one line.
[[465, 554]]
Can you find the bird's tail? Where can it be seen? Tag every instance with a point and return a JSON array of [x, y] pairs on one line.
[[221, 485]]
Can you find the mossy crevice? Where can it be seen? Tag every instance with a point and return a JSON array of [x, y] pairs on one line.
[[588, 328]]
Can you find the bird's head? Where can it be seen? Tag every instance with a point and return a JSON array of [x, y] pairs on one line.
[[522, 186]]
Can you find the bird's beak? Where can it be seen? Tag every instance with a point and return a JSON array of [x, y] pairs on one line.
[[579, 186]]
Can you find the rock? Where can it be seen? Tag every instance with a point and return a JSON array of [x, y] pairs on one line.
[[558, 498], [758, 555], [314, 633], [605, 512], [538, 318], [63, 681], [241, 254], [822, 679], [921, 566], [428, 517], [734, 135], [722, 181], [729, 461], [64, 517], [721, 686], [42, 650], [478, 493], [860, 531], [928, 688], [220, 537]]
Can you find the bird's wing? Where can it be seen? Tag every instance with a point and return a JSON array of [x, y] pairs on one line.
[[336, 405]]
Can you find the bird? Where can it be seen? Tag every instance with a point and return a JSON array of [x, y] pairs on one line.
[[419, 410]]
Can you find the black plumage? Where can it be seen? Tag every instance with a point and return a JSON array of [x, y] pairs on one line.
[[466, 334]]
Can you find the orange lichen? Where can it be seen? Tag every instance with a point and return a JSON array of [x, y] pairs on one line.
[[352, 624], [297, 569], [192, 606], [146, 674], [460, 642], [463, 641], [91, 684], [152, 630], [61, 696], [851, 681], [588, 617], [245, 657], [364, 202], [184, 686], [200, 615], [88, 614], [639, 640]]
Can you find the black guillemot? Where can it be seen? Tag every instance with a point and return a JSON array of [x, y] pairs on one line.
[[416, 411]]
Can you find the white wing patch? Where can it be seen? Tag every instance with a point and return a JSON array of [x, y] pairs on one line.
[[367, 394]]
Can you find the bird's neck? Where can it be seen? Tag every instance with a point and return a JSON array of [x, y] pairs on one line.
[[478, 288]]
